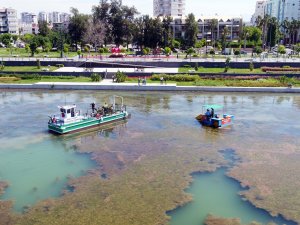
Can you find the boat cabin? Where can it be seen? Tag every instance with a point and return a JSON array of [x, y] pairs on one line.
[[67, 112]]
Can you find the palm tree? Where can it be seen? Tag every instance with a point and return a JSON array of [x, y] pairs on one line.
[[213, 26], [294, 26], [272, 34], [264, 25], [286, 26]]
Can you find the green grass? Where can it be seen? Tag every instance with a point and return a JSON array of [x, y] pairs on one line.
[[219, 70], [27, 68], [18, 80], [20, 52]]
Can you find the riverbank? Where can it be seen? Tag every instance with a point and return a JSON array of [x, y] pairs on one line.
[[109, 85]]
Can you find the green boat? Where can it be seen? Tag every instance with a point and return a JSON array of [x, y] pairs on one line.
[[71, 120]]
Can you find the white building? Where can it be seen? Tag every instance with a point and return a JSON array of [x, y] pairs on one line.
[[28, 18], [289, 10], [8, 21], [174, 8], [43, 16], [259, 11], [64, 17], [283, 9], [53, 17]]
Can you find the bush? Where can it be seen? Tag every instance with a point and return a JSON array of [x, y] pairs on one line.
[[196, 66], [212, 52], [101, 50], [187, 66], [251, 66], [38, 64], [120, 77], [95, 77], [286, 67], [2, 66], [59, 65], [278, 69], [177, 78]]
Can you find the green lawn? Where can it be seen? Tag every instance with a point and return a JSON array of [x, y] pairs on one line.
[[20, 52], [27, 68], [31, 80]]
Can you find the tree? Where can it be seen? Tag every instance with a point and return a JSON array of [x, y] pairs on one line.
[[167, 31], [44, 30], [189, 52], [224, 38], [167, 51], [213, 25], [77, 27], [273, 32], [286, 25], [95, 33], [191, 30], [6, 39], [33, 46]]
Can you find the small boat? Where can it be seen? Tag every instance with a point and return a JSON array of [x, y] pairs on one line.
[[71, 120], [211, 119]]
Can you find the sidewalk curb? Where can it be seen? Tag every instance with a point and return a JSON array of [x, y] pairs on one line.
[[134, 87]]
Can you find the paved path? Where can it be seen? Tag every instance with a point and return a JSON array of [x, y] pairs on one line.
[[114, 70], [107, 85]]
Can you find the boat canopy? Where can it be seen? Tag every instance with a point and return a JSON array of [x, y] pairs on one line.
[[213, 106]]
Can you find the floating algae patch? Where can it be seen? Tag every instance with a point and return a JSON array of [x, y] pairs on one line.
[[39, 171]]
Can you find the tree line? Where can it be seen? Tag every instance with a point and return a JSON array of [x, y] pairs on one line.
[[111, 22]]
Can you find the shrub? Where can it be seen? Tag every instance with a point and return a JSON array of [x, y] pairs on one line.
[[196, 66], [101, 50], [38, 64], [95, 77], [2, 66], [177, 78], [251, 66], [212, 52], [237, 52], [286, 67], [120, 77], [187, 66], [59, 65], [278, 69]]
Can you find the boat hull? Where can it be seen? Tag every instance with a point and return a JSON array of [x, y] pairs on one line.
[[85, 123], [224, 121]]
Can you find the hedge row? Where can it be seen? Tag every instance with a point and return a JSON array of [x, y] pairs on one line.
[[279, 69], [178, 78]]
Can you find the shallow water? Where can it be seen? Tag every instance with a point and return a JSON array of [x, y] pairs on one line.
[[37, 164], [217, 194]]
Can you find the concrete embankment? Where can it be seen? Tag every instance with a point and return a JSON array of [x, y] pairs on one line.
[[148, 87]]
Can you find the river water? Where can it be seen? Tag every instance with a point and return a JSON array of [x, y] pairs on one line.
[[37, 165]]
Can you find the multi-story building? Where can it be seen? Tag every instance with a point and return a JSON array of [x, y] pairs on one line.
[[8, 21], [205, 31], [29, 18], [173, 8], [54, 17], [43, 16], [64, 17], [283, 9], [259, 11]]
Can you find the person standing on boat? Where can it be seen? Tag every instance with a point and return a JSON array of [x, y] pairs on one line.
[[208, 114], [212, 113], [93, 107]]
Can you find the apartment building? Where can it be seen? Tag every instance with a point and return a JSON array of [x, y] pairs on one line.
[[8, 21], [283, 9], [42, 16], [205, 31], [259, 11], [173, 8]]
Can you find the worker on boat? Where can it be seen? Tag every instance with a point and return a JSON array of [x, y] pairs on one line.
[[208, 114], [212, 113], [93, 106]]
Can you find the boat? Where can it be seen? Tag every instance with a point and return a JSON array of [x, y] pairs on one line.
[[71, 120], [212, 119]]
